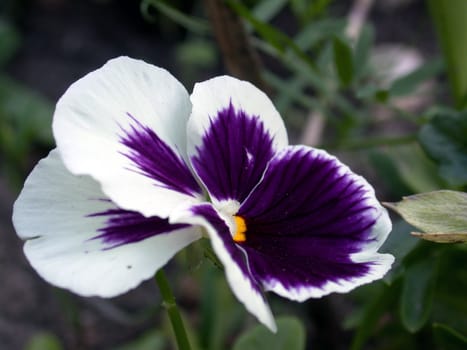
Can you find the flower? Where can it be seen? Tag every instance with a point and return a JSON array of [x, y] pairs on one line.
[[142, 170]]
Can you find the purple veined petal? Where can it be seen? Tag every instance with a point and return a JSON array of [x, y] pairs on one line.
[[233, 131], [153, 158], [125, 125], [313, 227], [125, 227], [233, 155], [243, 285], [77, 239]]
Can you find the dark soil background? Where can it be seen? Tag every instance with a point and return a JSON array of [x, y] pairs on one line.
[[61, 41]]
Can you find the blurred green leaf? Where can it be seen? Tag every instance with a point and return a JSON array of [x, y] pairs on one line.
[[407, 84], [307, 10], [343, 60], [417, 294], [209, 305], [444, 139], [289, 92], [154, 340], [388, 172], [372, 92], [217, 301], [25, 122], [280, 41], [195, 25], [315, 32], [266, 10], [200, 53], [399, 243], [363, 50], [417, 171], [438, 213], [9, 41], [27, 113], [450, 19], [450, 303], [448, 339], [44, 341], [375, 307], [290, 335]]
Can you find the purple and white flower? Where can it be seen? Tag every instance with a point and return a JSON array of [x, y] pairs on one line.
[[142, 169]]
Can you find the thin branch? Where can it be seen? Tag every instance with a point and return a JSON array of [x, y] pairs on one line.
[[239, 56]]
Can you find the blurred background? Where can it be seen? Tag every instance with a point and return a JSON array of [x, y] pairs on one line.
[[360, 78]]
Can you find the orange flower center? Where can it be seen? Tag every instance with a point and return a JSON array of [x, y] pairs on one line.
[[239, 236]]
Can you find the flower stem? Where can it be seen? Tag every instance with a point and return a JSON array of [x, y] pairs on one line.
[[172, 309]]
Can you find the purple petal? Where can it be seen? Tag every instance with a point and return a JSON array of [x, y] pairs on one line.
[[153, 158], [124, 227], [233, 154], [306, 219]]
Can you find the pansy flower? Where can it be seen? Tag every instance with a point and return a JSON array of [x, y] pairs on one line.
[[142, 169]]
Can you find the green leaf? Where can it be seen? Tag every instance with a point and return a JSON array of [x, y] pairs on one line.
[[444, 139], [316, 31], [44, 341], [441, 214], [387, 171], [154, 340], [343, 60], [363, 50], [290, 335], [450, 19], [415, 168], [191, 23], [373, 311], [399, 244], [417, 294], [450, 304], [26, 112], [407, 84], [280, 41], [9, 41], [197, 52], [290, 91], [447, 338], [307, 10], [268, 9]]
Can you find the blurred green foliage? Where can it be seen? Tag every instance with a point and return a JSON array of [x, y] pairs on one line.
[[25, 116], [44, 341], [444, 138], [316, 69], [290, 335]]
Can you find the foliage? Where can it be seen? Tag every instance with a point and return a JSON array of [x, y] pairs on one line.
[[25, 116], [290, 335], [317, 72], [44, 341], [441, 214]]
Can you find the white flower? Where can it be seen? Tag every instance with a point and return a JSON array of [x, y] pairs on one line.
[[140, 167]]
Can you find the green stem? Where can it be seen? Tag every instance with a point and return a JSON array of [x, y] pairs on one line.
[[450, 19], [172, 310]]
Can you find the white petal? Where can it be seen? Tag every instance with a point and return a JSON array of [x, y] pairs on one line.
[[52, 214], [99, 109], [242, 284], [211, 96], [233, 132]]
